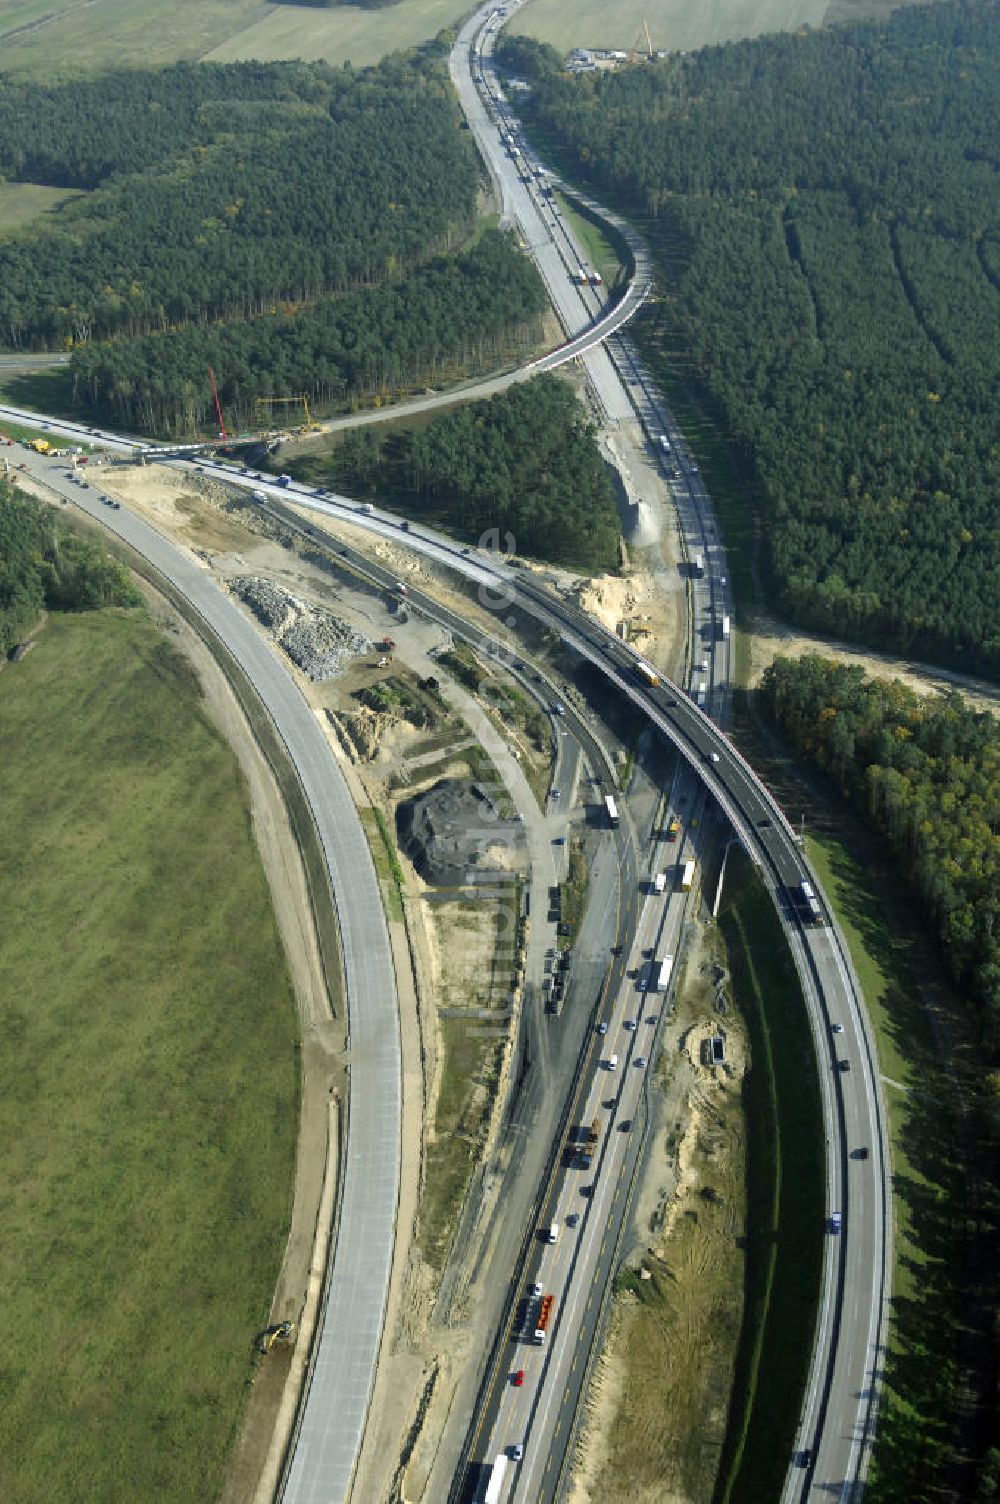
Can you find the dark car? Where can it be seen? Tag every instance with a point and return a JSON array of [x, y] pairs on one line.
[[843, 1065], [861, 1153]]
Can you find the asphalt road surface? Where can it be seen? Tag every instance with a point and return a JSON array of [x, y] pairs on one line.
[[343, 1366]]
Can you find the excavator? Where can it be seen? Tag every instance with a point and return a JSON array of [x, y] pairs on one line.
[[282, 1331]]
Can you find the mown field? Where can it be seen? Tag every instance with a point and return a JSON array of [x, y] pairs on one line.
[[673, 24], [342, 32], [149, 1113], [46, 40]]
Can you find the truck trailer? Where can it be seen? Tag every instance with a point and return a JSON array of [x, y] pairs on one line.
[[647, 673], [491, 1485], [663, 974], [543, 1318]]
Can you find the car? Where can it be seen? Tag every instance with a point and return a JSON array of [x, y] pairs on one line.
[[558, 708], [559, 840], [586, 1191], [536, 1292], [602, 1027], [861, 1153], [557, 793], [836, 1221], [640, 1061], [625, 1126], [516, 1451], [630, 1025], [843, 1065], [804, 1457], [517, 1378], [713, 757], [836, 1028], [572, 1219]]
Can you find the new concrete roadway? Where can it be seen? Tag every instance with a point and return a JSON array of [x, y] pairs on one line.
[[344, 1356]]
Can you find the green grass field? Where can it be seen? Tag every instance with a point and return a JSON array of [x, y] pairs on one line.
[[785, 1201], [62, 40], [149, 1114], [20, 203], [673, 24], [343, 32]]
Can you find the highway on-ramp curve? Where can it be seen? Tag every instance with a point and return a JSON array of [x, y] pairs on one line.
[[345, 1353]]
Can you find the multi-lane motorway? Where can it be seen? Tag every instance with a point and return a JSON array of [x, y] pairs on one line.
[[838, 1418]]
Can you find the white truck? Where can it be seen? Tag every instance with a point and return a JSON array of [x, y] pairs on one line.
[[491, 1485], [687, 875], [660, 882], [663, 975]]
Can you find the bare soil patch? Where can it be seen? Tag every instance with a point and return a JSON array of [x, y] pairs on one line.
[[657, 1410], [770, 639]]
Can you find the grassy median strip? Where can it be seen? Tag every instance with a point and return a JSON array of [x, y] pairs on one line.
[[150, 1105], [785, 1196]]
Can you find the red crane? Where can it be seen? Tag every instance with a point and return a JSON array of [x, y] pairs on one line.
[[218, 406]]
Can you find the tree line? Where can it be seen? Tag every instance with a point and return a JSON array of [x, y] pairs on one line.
[[453, 317], [525, 462], [927, 773], [44, 563], [837, 274]]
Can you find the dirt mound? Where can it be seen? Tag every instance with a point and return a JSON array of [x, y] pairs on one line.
[[453, 832], [317, 642]]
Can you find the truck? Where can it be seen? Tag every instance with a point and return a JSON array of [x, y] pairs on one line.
[[552, 1233], [660, 882], [592, 1142], [582, 279], [258, 495], [725, 626], [663, 974], [611, 810], [402, 589], [284, 480], [596, 280], [674, 828], [698, 566], [40, 446], [543, 1318], [491, 1484], [687, 875], [811, 911], [647, 673]]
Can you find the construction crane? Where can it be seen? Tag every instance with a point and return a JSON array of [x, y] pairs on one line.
[[637, 47], [308, 426]]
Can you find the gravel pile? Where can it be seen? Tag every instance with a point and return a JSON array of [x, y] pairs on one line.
[[269, 603], [322, 646], [317, 643]]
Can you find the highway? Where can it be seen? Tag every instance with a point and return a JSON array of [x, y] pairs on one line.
[[838, 1419], [342, 1371]]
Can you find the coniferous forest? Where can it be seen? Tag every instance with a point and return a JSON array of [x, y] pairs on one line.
[[826, 212], [525, 462], [293, 225]]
